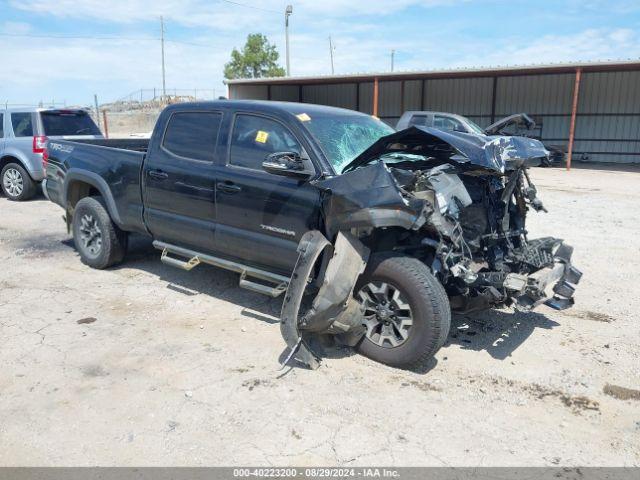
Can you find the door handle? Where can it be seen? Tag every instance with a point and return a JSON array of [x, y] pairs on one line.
[[158, 174], [228, 187]]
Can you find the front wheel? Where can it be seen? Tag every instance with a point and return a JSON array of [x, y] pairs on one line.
[[98, 240], [406, 311]]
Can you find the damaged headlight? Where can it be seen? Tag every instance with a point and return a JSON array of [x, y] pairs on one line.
[[450, 193]]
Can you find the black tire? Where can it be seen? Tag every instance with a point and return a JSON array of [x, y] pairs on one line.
[[17, 185], [90, 215], [429, 310]]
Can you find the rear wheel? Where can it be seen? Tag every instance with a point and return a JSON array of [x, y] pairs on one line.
[[406, 311], [98, 240], [17, 185]]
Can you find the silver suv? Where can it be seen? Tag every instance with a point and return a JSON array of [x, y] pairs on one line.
[[23, 136]]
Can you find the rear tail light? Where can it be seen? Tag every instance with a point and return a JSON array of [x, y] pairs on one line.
[[45, 157], [39, 144]]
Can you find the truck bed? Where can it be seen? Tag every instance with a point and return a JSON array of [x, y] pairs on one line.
[[133, 144], [113, 167]]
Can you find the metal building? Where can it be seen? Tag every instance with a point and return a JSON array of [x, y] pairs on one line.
[[590, 109]]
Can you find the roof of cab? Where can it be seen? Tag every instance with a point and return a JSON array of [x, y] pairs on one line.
[[267, 106], [430, 112], [40, 109]]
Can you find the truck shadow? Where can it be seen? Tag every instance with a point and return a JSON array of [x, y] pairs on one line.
[[497, 332], [202, 280], [222, 285]]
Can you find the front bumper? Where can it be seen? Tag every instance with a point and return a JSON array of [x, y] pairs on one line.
[[553, 285]]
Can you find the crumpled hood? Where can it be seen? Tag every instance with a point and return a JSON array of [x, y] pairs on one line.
[[497, 153], [519, 119]]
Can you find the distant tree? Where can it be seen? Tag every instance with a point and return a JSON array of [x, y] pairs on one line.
[[257, 59]]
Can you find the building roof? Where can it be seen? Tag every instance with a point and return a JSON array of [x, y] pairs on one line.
[[601, 66]]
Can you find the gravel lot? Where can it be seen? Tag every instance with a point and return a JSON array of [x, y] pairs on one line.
[[147, 365]]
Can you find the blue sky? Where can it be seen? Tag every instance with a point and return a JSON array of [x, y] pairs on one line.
[[69, 50]]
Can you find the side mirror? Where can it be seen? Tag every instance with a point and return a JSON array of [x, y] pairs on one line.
[[286, 164]]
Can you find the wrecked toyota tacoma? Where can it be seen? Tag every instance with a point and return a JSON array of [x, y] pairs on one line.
[[373, 236]]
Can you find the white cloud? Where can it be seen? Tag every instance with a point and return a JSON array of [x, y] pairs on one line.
[[588, 45], [363, 43], [218, 14], [112, 68], [109, 68], [14, 28]]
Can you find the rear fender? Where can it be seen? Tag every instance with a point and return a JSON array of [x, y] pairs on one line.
[[94, 180], [15, 156]]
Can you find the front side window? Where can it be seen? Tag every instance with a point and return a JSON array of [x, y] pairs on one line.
[[193, 135], [1, 125], [22, 124], [447, 123], [255, 138]]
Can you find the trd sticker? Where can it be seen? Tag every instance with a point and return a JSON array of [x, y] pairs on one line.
[[60, 148]]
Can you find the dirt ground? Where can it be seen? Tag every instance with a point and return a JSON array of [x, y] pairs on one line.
[[147, 365]]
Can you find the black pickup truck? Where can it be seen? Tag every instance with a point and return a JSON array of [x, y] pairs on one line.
[[374, 236]]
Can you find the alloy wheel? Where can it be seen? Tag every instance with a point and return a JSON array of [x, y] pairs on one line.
[[90, 235], [387, 314], [13, 182]]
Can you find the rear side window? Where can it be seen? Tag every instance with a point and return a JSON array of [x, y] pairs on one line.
[[68, 123], [193, 135], [22, 124], [254, 138], [1, 125], [420, 120]]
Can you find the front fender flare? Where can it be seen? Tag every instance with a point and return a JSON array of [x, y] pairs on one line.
[[333, 310], [311, 246]]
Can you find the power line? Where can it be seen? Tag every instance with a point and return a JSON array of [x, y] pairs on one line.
[[111, 37], [187, 43], [250, 6], [84, 37], [101, 37]]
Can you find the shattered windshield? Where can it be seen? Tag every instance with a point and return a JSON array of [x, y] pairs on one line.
[[343, 138]]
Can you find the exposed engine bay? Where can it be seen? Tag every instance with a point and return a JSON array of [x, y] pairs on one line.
[[456, 202]]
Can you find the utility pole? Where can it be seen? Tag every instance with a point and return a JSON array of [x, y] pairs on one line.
[[95, 100], [331, 55], [164, 84], [287, 14], [393, 57]]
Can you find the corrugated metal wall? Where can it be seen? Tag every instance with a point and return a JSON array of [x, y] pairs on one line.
[[607, 123]]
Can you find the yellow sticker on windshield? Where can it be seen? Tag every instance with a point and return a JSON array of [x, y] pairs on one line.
[[303, 117], [262, 137]]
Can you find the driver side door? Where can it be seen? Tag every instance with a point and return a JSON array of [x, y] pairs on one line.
[[262, 216]]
